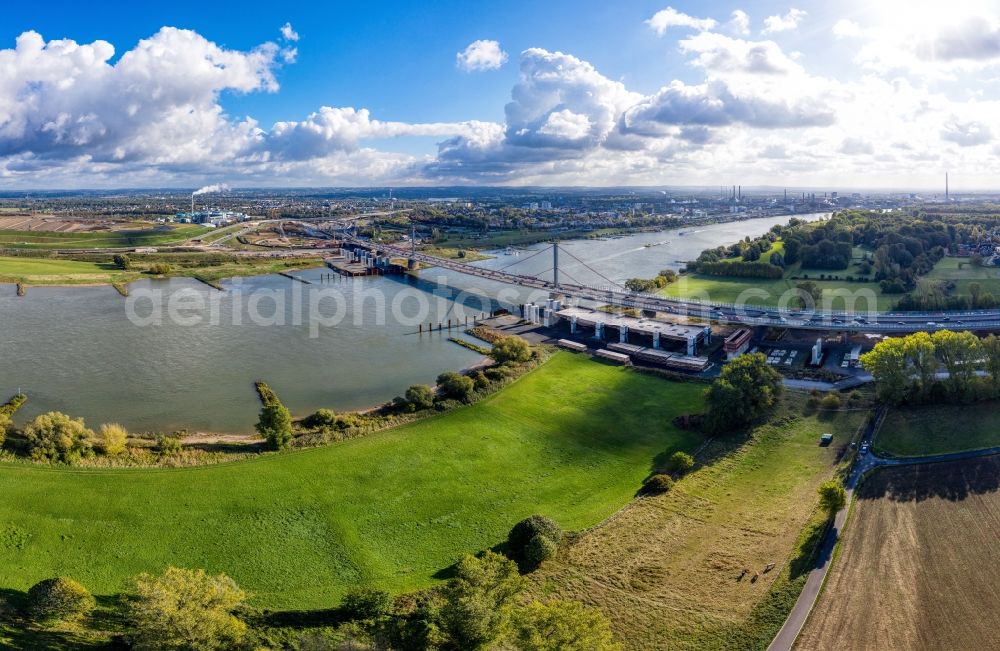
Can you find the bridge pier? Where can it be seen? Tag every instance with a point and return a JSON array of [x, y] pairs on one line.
[[656, 339], [572, 326], [599, 331], [623, 334]]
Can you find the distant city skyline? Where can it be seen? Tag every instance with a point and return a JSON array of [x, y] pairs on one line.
[[698, 94]]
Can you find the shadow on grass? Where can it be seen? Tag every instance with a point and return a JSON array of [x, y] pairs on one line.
[[950, 480], [100, 630]]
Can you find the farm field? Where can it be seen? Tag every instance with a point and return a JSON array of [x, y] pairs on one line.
[[938, 429], [134, 235], [573, 439], [665, 570], [918, 564]]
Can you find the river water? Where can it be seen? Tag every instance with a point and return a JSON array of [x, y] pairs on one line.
[[336, 343]]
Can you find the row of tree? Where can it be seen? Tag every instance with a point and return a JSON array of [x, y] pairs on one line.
[[945, 365]]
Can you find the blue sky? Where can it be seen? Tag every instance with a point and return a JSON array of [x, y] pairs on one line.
[[610, 93]]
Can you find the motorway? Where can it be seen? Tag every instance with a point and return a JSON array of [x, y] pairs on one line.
[[725, 313]]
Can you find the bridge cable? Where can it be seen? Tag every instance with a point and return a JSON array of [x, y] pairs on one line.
[[598, 273]]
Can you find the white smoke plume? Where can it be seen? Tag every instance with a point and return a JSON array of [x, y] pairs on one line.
[[218, 187]]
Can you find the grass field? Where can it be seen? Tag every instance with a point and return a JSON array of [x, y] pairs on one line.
[[763, 291], [59, 271], [938, 429], [961, 271], [141, 235], [666, 569], [572, 440], [49, 271], [919, 567]]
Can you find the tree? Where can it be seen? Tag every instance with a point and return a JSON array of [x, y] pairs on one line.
[[186, 609], [57, 437], [275, 425], [745, 391], [420, 397], [809, 293], [960, 353], [832, 497], [455, 385], [888, 365], [511, 349], [113, 438], [919, 349], [991, 356], [562, 626], [479, 601], [539, 550], [122, 261], [59, 599]]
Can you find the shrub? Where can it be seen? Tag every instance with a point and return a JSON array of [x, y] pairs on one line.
[[57, 437], [812, 403], [831, 401], [321, 419], [540, 549], [160, 269], [479, 601], [657, 484], [168, 444], [511, 349], [4, 426], [122, 261], [186, 609], [420, 397], [113, 438], [680, 462], [523, 534], [455, 385], [366, 604], [60, 598]]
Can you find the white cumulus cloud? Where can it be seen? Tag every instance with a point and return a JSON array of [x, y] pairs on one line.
[[666, 18], [784, 23], [288, 33], [481, 55]]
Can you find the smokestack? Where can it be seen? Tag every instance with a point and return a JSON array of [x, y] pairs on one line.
[[192, 202], [739, 192], [946, 195], [786, 195]]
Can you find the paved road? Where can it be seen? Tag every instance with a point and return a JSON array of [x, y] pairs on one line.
[[865, 463]]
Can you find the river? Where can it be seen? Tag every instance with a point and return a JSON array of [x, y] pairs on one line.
[[76, 350]]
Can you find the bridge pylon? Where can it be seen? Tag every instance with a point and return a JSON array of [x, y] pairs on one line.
[[555, 264]]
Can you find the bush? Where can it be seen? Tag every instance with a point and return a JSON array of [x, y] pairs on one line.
[[657, 484], [523, 534], [322, 419], [366, 604], [455, 386], [4, 426], [186, 609], [113, 438], [563, 625], [511, 350], [420, 397], [160, 269], [680, 462], [168, 444], [60, 598], [122, 261], [539, 550], [831, 401], [57, 437]]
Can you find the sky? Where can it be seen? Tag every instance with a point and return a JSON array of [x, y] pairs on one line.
[[851, 94]]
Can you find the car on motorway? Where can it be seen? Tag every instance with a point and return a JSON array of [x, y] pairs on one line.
[[864, 448]]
